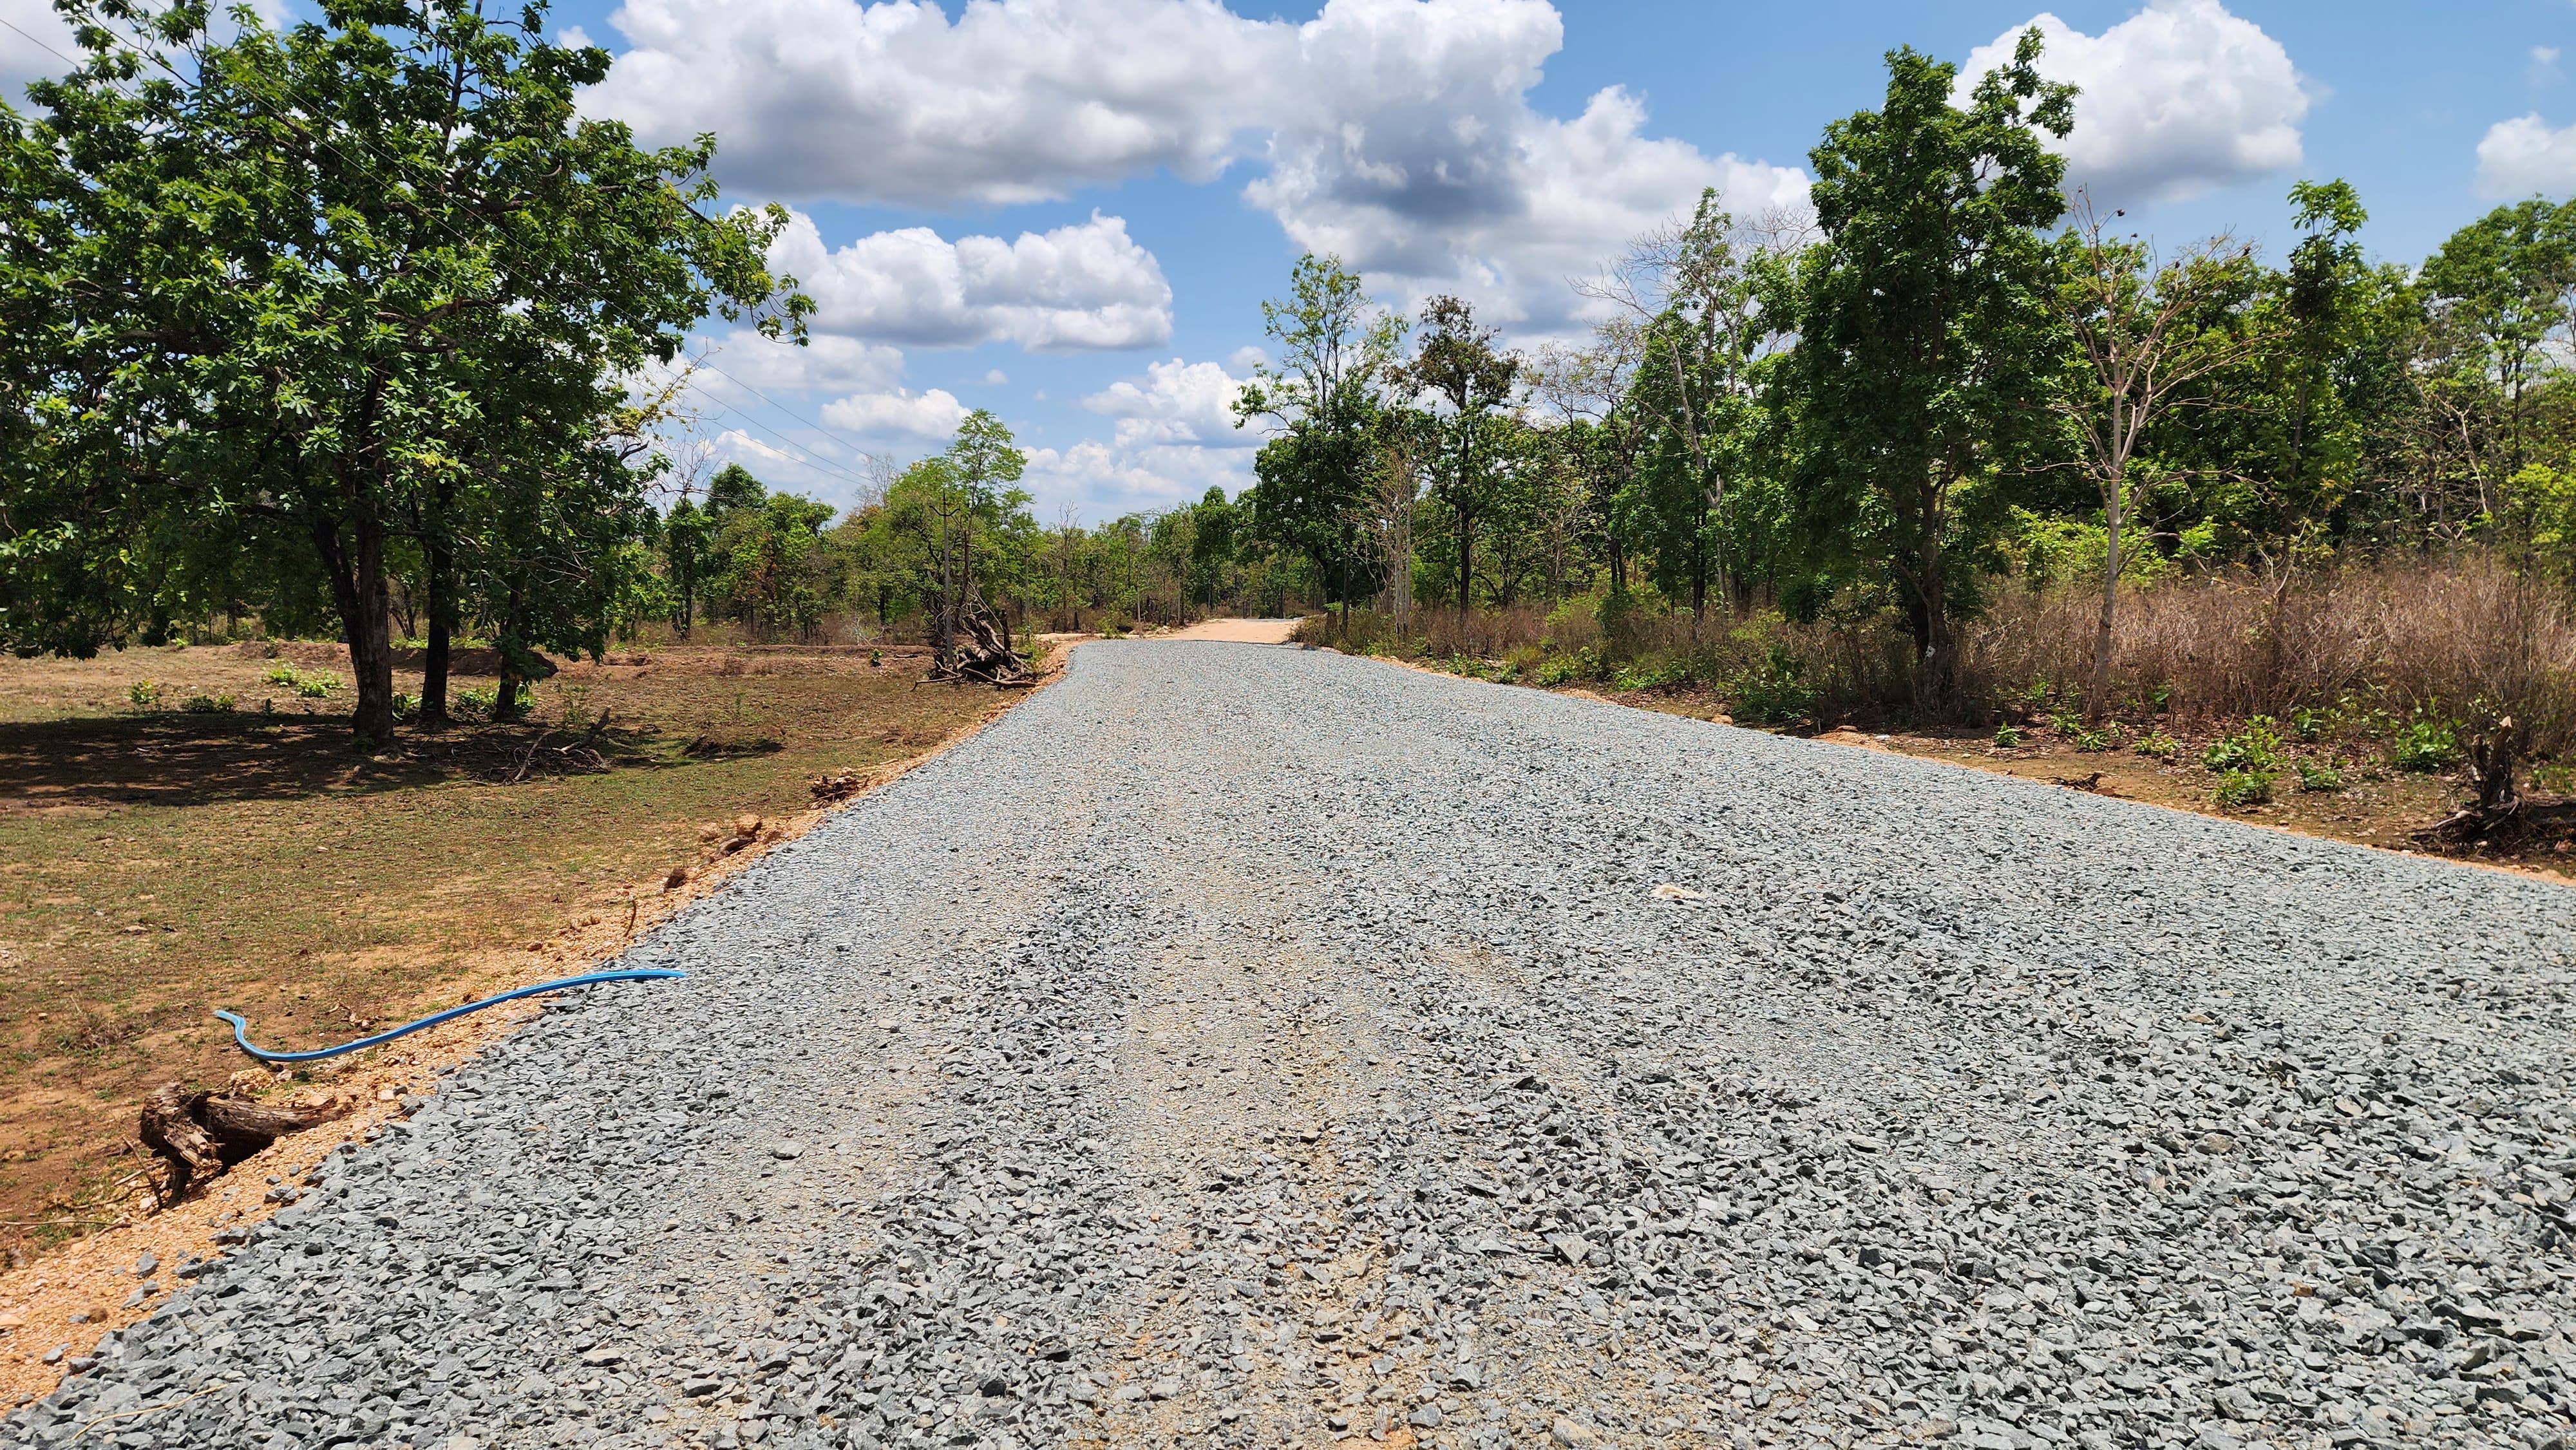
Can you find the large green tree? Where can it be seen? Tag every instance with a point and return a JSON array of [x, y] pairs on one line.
[[367, 276], [1926, 335], [1314, 479], [1462, 368]]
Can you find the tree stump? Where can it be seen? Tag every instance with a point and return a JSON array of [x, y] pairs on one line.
[[202, 1134]]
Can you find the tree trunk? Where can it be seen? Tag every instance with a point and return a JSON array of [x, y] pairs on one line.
[[1936, 666], [2098, 698], [357, 569], [442, 622]]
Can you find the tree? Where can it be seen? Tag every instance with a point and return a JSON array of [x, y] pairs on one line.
[[1337, 349], [688, 538], [2501, 281], [1459, 366], [312, 276], [1691, 314], [2142, 342], [1926, 339]]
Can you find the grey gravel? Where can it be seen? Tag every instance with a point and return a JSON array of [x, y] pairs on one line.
[[1237, 1044]]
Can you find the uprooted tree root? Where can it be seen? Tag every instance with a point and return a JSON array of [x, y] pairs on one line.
[[201, 1135], [982, 652]]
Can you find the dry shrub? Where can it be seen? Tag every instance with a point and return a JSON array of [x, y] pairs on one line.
[[2449, 635]]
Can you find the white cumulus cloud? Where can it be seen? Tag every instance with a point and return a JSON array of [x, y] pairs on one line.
[[1396, 133], [2178, 99], [1014, 101], [2526, 155], [1088, 285], [1101, 480], [900, 412], [1176, 402], [744, 360]]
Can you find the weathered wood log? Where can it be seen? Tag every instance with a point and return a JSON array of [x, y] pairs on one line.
[[200, 1135], [243, 1127], [171, 1129]]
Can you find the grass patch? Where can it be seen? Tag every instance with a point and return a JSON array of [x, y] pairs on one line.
[[154, 866]]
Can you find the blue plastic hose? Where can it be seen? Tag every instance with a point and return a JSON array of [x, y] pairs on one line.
[[241, 1029]]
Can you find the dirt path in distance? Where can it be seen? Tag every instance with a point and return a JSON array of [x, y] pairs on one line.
[[1237, 631]]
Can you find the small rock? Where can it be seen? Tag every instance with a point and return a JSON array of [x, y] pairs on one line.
[[2217, 1143], [144, 1266], [788, 1150], [1425, 1417], [1571, 1432]]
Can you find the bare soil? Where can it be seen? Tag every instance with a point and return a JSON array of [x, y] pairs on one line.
[[156, 864]]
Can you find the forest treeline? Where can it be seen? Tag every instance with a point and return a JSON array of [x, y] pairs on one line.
[[339, 328]]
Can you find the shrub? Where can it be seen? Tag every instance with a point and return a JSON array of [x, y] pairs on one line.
[[2157, 745], [310, 685], [2425, 744], [2241, 788], [2007, 735], [2094, 742], [144, 694], [406, 707], [2308, 724], [480, 700], [207, 704], [1775, 690], [2254, 749], [2319, 779]]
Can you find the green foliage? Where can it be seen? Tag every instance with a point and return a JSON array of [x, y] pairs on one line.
[[2156, 745], [1927, 341], [311, 298], [1775, 691], [307, 684], [2238, 789], [144, 695], [2007, 736], [207, 704], [2425, 744], [2319, 778], [2253, 749], [479, 702]]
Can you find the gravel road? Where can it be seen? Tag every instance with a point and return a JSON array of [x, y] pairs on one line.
[[1244, 1046]]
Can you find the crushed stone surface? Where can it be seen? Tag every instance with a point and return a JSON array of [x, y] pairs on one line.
[[1238, 1046]]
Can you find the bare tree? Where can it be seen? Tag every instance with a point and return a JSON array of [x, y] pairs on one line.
[[2145, 336], [1395, 489]]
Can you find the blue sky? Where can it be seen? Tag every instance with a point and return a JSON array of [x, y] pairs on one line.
[[1069, 211]]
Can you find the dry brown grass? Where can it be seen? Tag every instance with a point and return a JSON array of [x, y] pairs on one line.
[[156, 865], [2436, 634]]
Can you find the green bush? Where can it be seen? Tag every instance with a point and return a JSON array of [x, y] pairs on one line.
[[2240, 788], [2253, 750], [479, 701], [144, 694], [2319, 779], [406, 707], [2007, 735], [1775, 691], [2157, 745], [2425, 744], [207, 704], [310, 685], [2309, 725], [2093, 742]]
